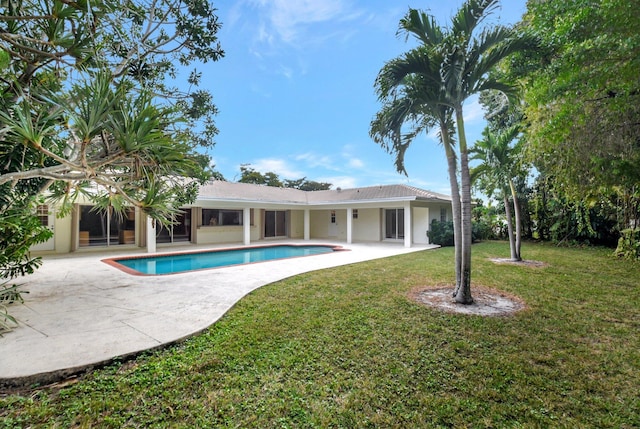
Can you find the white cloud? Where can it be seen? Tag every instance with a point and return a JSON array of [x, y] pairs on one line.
[[344, 182], [288, 16], [287, 21], [278, 166], [314, 160], [473, 111], [356, 163]]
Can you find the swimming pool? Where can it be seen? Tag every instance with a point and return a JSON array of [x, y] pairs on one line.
[[192, 261]]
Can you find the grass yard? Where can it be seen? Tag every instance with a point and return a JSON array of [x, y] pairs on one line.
[[345, 347]]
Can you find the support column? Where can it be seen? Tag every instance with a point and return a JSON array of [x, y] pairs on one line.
[[349, 225], [246, 225], [407, 225], [151, 235], [307, 224]]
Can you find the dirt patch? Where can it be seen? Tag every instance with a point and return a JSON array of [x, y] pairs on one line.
[[487, 302], [523, 263]]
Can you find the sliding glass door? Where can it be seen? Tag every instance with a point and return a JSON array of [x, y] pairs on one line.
[[106, 228], [394, 224], [275, 223]]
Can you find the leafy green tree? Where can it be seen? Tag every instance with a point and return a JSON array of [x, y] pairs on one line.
[[307, 185], [463, 60], [583, 101], [88, 107], [495, 176], [250, 175]]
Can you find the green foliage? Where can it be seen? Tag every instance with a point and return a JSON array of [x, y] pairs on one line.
[[346, 347], [629, 244], [583, 99], [9, 293], [250, 175], [19, 230], [88, 107], [441, 233], [561, 220]]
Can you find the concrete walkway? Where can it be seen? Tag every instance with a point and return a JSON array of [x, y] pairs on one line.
[[81, 313]]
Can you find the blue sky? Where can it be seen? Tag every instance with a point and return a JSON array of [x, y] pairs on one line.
[[295, 90]]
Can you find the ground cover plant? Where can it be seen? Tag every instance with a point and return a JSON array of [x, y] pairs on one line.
[[346, 347]]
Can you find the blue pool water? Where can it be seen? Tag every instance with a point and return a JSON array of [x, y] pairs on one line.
[[178, 263]]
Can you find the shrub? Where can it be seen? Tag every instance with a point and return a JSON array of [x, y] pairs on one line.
[[8, 295], [629, 244], [441, 233]]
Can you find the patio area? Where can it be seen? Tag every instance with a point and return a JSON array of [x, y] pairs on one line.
[[81, 313]]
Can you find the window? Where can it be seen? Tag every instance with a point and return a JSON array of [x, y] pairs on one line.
[[220, 217], [333, 216], [42, 211], [443, 214], [355, 213]]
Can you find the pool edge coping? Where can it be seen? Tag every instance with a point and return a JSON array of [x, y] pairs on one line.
[[113, 261]]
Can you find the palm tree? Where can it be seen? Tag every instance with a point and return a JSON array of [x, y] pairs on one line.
[[496, 172], [451, 66]]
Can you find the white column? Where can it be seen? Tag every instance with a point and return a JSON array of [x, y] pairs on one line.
[[246, 225], [407, 224], [151, 235], [307, 224], [349, 225], [428, 225]]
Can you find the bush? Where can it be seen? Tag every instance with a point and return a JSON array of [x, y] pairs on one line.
[[8, 295], [482, 231], [629, 244], [441, 233]]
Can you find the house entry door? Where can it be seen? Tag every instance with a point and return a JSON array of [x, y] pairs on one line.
[[333, 224]]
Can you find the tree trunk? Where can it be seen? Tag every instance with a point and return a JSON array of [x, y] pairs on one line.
[[516, 209], [464, 291], [455, 202], [507, 212]]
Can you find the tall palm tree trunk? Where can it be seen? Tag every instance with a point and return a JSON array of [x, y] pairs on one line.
[[455, 202], [507, 212], [516, 209], [463, 295]]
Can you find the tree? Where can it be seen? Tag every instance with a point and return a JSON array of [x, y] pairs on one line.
[[87, 108], [583, 101], [408, 99], [307, 185], [463, 62], [250, 175], [496, 172]]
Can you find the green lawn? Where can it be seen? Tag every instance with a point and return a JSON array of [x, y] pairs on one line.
[[345, 347]]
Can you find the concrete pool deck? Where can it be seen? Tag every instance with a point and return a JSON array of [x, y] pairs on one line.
[[81, 313]]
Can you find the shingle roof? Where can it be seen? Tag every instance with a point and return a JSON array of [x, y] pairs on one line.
[[221, 190], [371, 193], [229, 191]]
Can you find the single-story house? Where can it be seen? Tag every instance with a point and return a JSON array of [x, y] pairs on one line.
[[227, 212]]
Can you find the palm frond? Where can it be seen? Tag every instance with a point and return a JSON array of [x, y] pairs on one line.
[[422, 26], [470, 16]]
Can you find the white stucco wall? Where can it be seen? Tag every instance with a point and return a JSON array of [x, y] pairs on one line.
[[367, 226], [296, 223]]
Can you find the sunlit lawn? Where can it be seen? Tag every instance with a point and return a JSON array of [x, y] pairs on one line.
[[345, 347]]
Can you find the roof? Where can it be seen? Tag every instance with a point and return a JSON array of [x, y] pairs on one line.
[[233, 191]]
